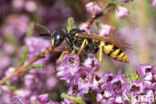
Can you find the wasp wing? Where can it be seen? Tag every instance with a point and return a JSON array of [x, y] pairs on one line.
[[113, 41]]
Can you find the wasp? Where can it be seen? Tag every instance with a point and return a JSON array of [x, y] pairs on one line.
[[79, 40]]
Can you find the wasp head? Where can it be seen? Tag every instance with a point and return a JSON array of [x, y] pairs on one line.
[[57, 37]]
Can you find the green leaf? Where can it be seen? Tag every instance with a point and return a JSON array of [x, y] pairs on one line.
[[10, 87], [91, 97], [11, 39], [36, 67], [78, 100], [25, 55], [41, 54], [31, 29], [132, 76], [70, 24]]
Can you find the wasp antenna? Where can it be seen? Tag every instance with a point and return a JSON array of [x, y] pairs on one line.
[[45, 35], [43, 27]]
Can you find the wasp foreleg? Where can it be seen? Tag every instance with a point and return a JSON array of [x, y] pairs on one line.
[[61, 56], [81, 48], [100, 54]]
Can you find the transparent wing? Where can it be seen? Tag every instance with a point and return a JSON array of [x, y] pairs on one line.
[[113, 41]]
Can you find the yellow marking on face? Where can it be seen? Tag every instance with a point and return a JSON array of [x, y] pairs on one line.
[[76, 34], [120, 56], [107, 49], [114, 54], [52, 41]]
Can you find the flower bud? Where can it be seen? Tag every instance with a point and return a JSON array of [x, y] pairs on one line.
[[154, 3], [43, 98], [86, 27], [126, 1], [93, 8], [121, 12], [105, 29]]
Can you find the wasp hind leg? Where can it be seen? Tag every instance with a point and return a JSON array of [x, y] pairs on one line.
[[81, 48], [61, 56], [100, 54]]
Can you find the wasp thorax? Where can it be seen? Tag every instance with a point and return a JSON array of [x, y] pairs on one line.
[[58, 37], [76, 30]]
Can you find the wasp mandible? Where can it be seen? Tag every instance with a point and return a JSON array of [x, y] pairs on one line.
[[77, 39]]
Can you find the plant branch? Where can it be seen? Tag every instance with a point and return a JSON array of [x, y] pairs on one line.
[[23, 69]]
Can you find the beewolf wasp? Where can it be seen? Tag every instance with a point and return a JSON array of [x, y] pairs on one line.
[[79, 39]]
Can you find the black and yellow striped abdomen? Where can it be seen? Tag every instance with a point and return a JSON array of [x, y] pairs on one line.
[[114, 52]]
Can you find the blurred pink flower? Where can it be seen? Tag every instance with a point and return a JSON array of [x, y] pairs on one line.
[[18, 4], [30, 6], [121, 12], [5, 62], [126, 1], [86, 27], [43, 99], [51, 82], [154, 3], [16, 25], [36, 45], [8, 48], [105, 30], [93, 8]]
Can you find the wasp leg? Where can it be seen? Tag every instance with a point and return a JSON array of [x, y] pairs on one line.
[[81, 48], [100, 54], [61, 56]]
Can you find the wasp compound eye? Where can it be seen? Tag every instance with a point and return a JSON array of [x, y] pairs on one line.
[[58, 36]]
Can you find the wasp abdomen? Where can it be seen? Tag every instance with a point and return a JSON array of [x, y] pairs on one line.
[[114, 52]]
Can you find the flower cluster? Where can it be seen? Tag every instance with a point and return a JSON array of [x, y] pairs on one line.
[[109, 88]]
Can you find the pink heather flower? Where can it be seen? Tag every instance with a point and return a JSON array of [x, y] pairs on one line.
[[144, 69], [93, 8], [9, 48], [43, 99], [74, 91], [105, 98], [105, 30], [5, 62], [137, 87], [34, 46], [53, 102], [121, 12], [148, 77], [18, 4], [23, 92], [96, 83], [108, 77], [16, 26], [9, 71], [126, 1], [30, 6], [154, 3], [86, 27], [83, 79], [31, 81], [118, 84], [68, 67], [51, 82], [91, 63], [18, 100], [33, 98]]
